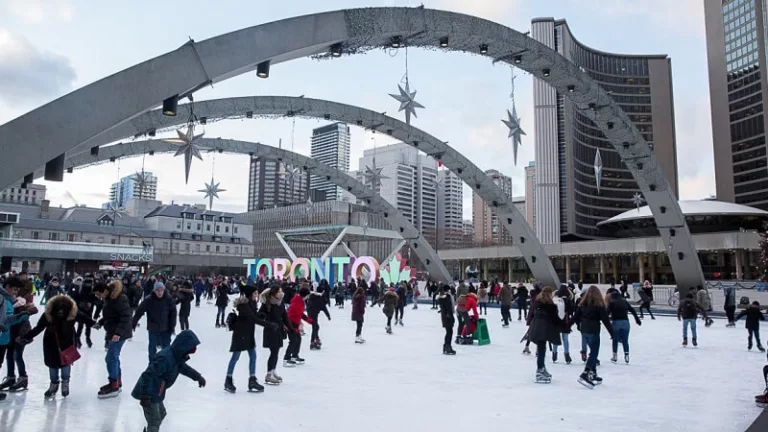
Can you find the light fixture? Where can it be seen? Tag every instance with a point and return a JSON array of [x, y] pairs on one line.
[[336, 50], [484, 49], [54, 169], [249, 114], [327, 116], [444, 41], [170, 105], [28, 179], [571, 88], [151, 152], [592, 106], [203, 120], [95, 151], [70, 170], [396, 42], [545, 72], [262, 69], [518, 59]]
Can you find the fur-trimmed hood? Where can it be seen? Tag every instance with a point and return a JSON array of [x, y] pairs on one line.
[[115, 289], [63, 302], [240, 300]]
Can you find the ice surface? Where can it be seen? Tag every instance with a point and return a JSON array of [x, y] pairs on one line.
[[402, 382]]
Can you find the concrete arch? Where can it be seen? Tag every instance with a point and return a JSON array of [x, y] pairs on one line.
[[271, 106], [399, 223], [57, 127]]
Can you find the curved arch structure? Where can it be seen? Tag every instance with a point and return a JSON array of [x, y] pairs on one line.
[[57, 127], [271, 106], [399, 223]]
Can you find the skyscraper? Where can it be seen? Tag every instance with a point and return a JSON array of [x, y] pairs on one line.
[[268, 187], [330, 145], [488, 229], [736, 53], [129, 188], [450, 209], [572, 153], [530, 194]]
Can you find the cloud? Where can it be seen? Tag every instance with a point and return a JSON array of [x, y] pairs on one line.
[[676, 15], [29, 75], [39, 11], [489, 9], [699, 186]]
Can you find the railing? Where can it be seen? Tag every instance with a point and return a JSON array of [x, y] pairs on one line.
[[66, 246]]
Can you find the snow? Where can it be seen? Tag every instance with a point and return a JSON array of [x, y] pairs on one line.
[[403, 382]]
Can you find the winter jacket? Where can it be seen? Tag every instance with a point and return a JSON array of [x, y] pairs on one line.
[[161, 313], [445, 301], [471, 304], [296, 312], [222, 300], [505, 295], [588, 319], [402, 295], [185, 297], [83, 296], [116, 315], [703, 299], [619, 309], [753, 314], [243, 335], [462, 290], [358, 307], [162, 372], [58, 322], [689, 309], [482, 295], [11, 320], [522, 296], [316, 303], [274, 334], [199, 287], [730, 296], [546, 324], [564, 293], [149, 286], [135, 293], [389, 300]]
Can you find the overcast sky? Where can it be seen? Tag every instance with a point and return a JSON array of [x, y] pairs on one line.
[[51, 47]]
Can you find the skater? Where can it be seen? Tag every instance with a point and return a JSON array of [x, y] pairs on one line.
[[161, 318], [446, 317], [185, 295], [465, 304], [687, 312], [545, 328], [762, 399], [619, 310], [646, 297], [14, 356], [274, 312], [754, 316], [295, 316], [199, 290], [565, 306], [222, 300], [529, 317], [505, 299], [116, 320], [9, 320], [339, 295], [162, 373], [244, 338], [358, 311], [389, 300], [521, 295], [705, 302], [315, 304], [81, 292], [729, 291], [134, 294], [416, 295], [402, 294], [482, 299], [59, 349], [590, 313]]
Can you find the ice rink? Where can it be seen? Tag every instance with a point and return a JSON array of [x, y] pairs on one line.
[[402, 382]]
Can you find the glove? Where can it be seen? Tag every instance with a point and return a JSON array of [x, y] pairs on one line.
[[145, 401], [638, 322], [23, 341], [201, 382], [310, 321]]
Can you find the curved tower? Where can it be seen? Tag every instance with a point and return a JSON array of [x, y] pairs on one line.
[[575, 186]]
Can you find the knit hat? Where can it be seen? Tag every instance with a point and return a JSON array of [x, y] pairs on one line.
[[159, 286], [248, 291]]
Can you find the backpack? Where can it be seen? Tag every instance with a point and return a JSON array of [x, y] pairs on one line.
[[231, 320], [461, 303], [560, 306], [744, 301]]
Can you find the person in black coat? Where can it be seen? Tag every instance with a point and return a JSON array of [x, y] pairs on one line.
[[185, 295], [402, 295], [445, 301], [619, 310], [116, 320], [161, 318], [222, 300], [590, 313], [754, 316], [149, 286], [545, 328], [315, 304], [274, 312], [244, 338], [81, 292], [521, 295]]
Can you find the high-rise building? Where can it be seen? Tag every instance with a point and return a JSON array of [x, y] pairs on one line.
[[736, 53], [129, 188], [410, 183], [31, 194], [269, 184], [330, 146], [450, 209], [530, 194], [488, 229], [467, 232], [569, 202]]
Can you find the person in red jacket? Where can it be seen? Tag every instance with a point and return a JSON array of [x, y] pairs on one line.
[[464, 304], [295, 315]]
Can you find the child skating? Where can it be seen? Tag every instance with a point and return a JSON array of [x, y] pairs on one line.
[[754, 316]]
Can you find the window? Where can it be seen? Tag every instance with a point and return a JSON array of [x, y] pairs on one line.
[[36, 235], [218, 228], [178, 225], [217, 248], [235, 229], [199, 227], [114, 241], [197, 247], [226, 229], [130, 242], [100, 239], [207, 227], [165, 245], [207, 248], [18, 233], [226, 249], [245, 250], [71, 237], [53, 236], [189, 226], [186, 247]]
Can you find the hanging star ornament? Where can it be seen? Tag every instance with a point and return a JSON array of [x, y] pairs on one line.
[[373, 175], [142, 181], [515, 131], [115, 211], [407, 102], [638, 200], [598, 166], [290, 172], [211, 191], [189, 146]]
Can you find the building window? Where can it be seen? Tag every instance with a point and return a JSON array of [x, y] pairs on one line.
[[186, 247], [71, 237], [114, 241], [218, 228], [226, 249], [100, 240], [226, 229], [197, 247], [245, 250], [17, 233], [130, 242], [235, 230], [208, 227], [207, 248], [217, 248], [165, 245], [189, 226], [199, 227], [237, 249], [53, 236], [178, 225]]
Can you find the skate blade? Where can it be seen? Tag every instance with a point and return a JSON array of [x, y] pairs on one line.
[[256, 391], [761, 405], [272, 384], [229, 391], [108, 396], [537, 381], [586, 384]]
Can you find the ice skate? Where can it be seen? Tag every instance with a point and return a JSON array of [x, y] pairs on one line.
[[108, 391], [505, 325], [401, 322], [554, 356], [585, 379], [694, 342], [526, 351], [584, 356], [542, 377], [3, 396], [278, 377], [447, 350], [685, 342], [626, 358], [359, 340], [53, 388], [271, 379], [567, 358], [761, 349], [229, 386], [314, 345], [298, 360], [254, 386], [761, 401], [613, 358], [7, 383], [21, 385], [749, 344], [546, 373], [289, 363], [388, 329], [88, 341]]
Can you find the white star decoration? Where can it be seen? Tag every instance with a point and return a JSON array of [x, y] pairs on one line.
[[188, 146], [142, 180], [290, 172], [638, 200], [310, 206], [115, 211], [598, 166], [373, 175], [211, 191], [515, 131], [407, 102]]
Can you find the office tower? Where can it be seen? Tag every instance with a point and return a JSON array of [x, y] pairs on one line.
[[130, 188], [488, 230], [736, 44], [450, 209], [568, 200], [31, 194], [530, 194], [330, 145], [269, 184]]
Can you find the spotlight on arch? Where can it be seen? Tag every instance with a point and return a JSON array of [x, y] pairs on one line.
[[396, 42], [262, 69], [571, 88], [170, 105], [444, 41], [518, 59], [336, 50], [545, 72], [484, 49]]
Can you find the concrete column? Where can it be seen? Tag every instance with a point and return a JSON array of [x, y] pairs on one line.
[[509, 270], [745, 261], [462, 270], [581, 268], [739, 265], [641, 267], [652, 267], [567, 268], [601, 276], [485, 269], [615, 264]]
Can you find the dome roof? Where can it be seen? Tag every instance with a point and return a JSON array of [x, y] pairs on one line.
[[692, 208]]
